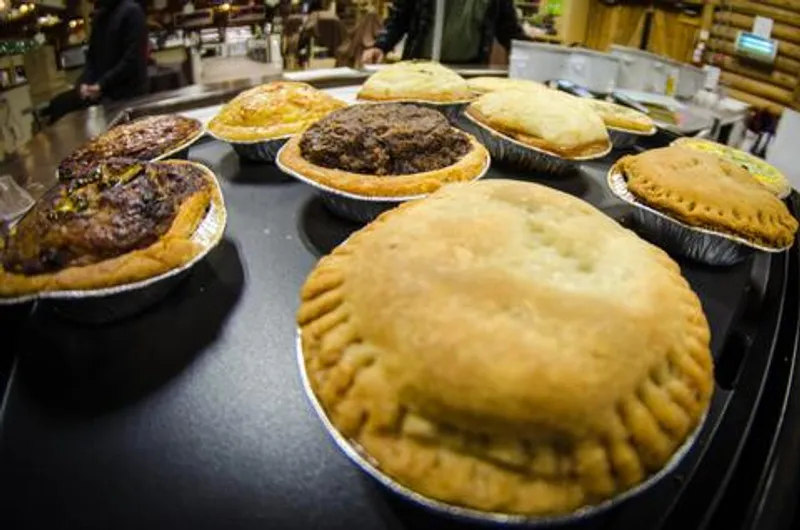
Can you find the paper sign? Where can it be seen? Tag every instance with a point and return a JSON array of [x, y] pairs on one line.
[[762, 26]]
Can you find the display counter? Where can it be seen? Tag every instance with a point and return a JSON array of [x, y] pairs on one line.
[[192, 414]]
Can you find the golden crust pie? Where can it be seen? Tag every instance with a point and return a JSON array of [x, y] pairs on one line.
[[416, 80], [506, 347], [127, 221], [705, 191], [768, 175], [384, 150], [272, 110], [621, 117], [544, 119], [482, 85]]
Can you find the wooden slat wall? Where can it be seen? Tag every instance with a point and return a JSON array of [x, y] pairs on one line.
[[771, 89]]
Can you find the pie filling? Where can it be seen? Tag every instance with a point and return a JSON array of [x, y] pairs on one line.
[[121, 206], [143, 139], [384, 139]]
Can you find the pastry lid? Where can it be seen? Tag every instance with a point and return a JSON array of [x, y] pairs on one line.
[[767, 174]]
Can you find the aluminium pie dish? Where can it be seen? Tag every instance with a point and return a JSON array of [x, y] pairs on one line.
[[258, 121], [124, 225], [767, 174], [544, 130], [146, 139], [701, 205], [507, 352], [625, 125], [370, 157], [421, 82]]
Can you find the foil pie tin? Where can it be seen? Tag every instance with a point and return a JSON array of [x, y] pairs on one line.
[[522, 156], [180, 152], [120, 301], [359, 208], [358, 456], [626, 138], [257, 150], [699, 244]]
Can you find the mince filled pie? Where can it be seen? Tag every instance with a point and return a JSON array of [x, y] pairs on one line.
[[123, 222], [506, 347], [272, 110], [705, 191], [145, 139], [548, 120], [384, 150]]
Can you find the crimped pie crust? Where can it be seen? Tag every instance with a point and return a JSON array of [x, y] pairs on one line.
[[417, 81], [272, 110], [506, 347], [706, 191], [172, 250], [468, 168], [483, 85]]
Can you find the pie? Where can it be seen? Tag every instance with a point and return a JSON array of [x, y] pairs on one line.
[[543, 119], [706, 191], [387, 150], [506, 347], [144, 139], [126, 221], [483, 85], [767, 174], [270, 111], [622, 118], [416, 80]]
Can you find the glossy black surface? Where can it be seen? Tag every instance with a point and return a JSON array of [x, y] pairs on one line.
[[192, 415]]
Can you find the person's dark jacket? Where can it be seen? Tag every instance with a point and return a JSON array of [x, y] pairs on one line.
[[414, 19], [117, 56]]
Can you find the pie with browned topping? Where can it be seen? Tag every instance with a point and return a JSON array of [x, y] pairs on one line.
[[706, 191], [505, 347], [126, 221], [146, 139]]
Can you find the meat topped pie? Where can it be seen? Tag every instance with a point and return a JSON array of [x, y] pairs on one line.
[[125, 221], [272, 110], [705, 191], [386, 150], [416, 81], [506, 347], [543, 119], [145, 139]]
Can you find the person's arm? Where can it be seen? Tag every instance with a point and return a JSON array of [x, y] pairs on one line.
[[87, 77], [396, 25], [507, 26], [133, 36]]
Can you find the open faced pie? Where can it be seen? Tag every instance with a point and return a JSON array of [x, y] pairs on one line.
[[146, 139], [621, 117], [706, 191], [416, 81], [505, 347], [483, 85], [768, 175], [384, 150], [124, 222], [272, 110], [543, 119]]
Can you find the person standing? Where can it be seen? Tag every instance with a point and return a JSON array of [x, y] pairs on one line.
[[469, 30], [116, 62]]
